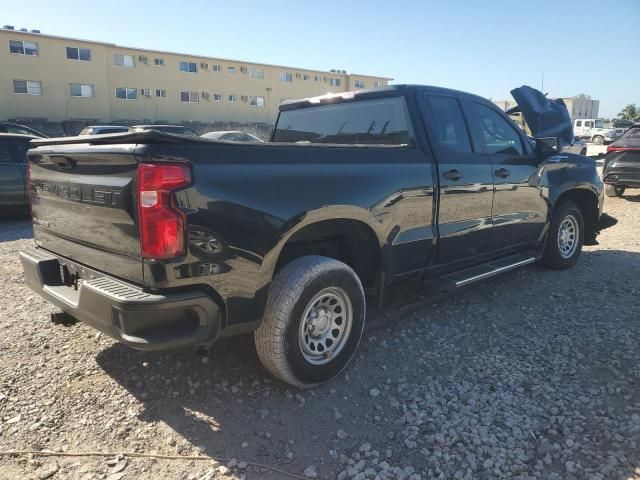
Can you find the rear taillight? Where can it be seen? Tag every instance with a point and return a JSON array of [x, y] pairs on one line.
[[162, 225], [612, 148]]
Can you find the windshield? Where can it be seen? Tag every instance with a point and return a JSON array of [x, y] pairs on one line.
[[599, 123]]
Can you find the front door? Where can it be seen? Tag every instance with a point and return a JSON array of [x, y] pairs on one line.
[[519, 211], [466, 184]]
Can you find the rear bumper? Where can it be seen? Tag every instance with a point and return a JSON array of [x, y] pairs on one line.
[[622, 177], [123, 311]]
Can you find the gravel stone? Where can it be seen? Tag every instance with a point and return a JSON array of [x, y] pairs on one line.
[[532, 375]]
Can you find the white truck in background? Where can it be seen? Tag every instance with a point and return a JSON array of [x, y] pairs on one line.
[[594, 131]]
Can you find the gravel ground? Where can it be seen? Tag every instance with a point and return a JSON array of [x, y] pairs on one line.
[[535, 374]]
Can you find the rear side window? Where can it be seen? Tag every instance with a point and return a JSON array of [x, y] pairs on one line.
[[630, 138], [492, 132], [449, 123], [374, 122]]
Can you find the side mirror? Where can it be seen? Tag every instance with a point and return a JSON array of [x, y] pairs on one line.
[[546, 146]]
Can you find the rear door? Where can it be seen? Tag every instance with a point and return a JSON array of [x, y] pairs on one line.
[[12, 187], [519, 211], [466, 184]]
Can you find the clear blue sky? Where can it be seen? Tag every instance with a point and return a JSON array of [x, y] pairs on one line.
[[485, 47]]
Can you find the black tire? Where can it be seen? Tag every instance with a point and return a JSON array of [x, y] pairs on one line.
[[279, 339], [553, 256], [613, 190], [583, 152], [598, 139]]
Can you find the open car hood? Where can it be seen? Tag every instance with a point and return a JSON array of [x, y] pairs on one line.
[[545, 117]]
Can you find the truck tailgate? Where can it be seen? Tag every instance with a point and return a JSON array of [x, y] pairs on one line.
[[84, 205]]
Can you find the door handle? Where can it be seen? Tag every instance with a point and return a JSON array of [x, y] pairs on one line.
[[452, 175], [503, 173]]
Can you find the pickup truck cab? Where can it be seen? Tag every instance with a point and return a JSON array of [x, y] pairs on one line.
[[163, 240], [594, 131]]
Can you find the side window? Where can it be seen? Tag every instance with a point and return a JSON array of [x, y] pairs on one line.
[[492, 132], [5, 151], [579, 123], [449, 123]]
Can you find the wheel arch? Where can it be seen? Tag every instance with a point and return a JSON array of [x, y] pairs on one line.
[[348, 238], [587, 200]]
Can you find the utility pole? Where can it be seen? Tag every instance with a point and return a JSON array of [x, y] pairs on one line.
[[542, 87]]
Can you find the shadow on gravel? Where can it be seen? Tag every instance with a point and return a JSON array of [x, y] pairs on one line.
[[631, 198], [15, 227], [230, 407]]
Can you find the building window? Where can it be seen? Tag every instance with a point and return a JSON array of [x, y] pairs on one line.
[[334, 82], [359, 84], [231, 69], [286, 77], [217, 97], [161, 93], [80, 90], [126, 93], [216, 67], [316, 78], [233, 98], [306, 77], [189, 67], [190, 97], [255, 73], [27, 87], [74, 53], [377, 84], [159, 62], [256, 101], [23, 48], [123, 60]]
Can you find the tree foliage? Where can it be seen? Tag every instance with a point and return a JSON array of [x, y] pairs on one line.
[[630, 112]]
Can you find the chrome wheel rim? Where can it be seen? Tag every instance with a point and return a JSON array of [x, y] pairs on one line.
[[325, 326], [568, 236]]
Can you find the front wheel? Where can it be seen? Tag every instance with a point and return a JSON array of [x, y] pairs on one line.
[[313, 321], [613, 190], [598, 140], [566, 235]]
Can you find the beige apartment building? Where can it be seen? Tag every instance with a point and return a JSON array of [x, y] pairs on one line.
[[48, 78]]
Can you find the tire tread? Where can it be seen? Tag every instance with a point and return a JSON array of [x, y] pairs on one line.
[[286, 288]]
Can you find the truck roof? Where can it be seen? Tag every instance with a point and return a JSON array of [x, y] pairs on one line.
[[380, 92]]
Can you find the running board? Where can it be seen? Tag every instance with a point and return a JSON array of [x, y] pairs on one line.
[[486, 270]]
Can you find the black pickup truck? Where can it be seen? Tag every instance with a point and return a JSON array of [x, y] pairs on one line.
[[161, 240]]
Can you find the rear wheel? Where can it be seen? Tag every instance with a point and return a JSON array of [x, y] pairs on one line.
[[583, 152], [613, 191], [313, 321], [598, 139], [566, 236]]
